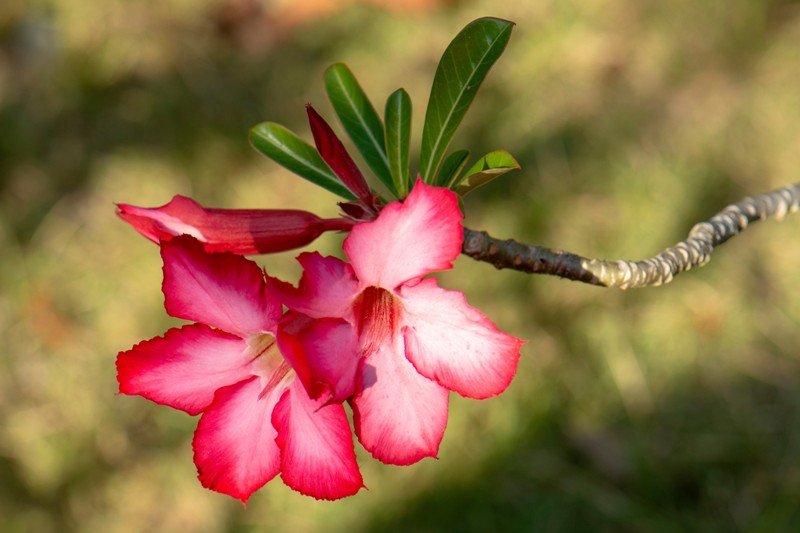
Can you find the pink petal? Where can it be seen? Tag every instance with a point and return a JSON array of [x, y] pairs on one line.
[[241, 231], [408, 240], [234, 444], [223, 290], [326, 289], [335, 155], [185, 367], [323, 352], [455, 344], [317, 456], [399, 415]]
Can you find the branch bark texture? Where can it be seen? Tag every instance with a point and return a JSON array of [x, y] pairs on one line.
[[694, 251]]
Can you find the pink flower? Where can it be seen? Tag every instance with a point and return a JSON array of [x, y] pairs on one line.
[[241, 231], [415, 340], [257, 419]]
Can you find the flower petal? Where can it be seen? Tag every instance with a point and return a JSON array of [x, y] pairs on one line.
[[324, 353], [399, 415], [222, 290], [455, 344], [408, 240], [241, 231], [317, 456], [234, 444], [185, 367], [326, 289]]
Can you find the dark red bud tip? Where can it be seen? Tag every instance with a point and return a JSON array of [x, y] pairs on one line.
[[357, 211], [333, 152]]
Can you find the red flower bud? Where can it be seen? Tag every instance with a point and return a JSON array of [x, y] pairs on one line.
[[335, 155], [241, 231]]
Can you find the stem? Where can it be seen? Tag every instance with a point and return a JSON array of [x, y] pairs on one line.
[[695, 250], [337, 224]]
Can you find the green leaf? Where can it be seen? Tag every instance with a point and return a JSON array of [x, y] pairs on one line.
[[451, 167], [398, 136], [486, 169], [359, 119], [291, 152], [462, 69]]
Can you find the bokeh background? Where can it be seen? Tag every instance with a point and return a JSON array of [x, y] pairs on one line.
[[663, 409]]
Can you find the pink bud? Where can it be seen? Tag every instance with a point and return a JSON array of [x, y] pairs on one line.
[[241, 231]]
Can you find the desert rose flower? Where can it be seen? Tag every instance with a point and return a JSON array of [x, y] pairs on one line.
[[413, 341], [240, 231], [257, 418]]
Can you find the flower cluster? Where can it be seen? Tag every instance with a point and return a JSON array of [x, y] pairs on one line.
[[269, 365]]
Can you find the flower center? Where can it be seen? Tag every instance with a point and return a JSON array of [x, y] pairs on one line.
[[377, 313], [268, 362]]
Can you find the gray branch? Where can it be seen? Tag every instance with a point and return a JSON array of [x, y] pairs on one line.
[[694, 251]]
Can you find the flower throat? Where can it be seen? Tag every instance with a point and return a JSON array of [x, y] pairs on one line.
[[377, 315]]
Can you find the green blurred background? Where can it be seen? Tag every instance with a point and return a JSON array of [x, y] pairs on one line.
[[664, 409]]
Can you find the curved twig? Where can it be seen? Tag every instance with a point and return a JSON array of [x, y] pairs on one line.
[[694, 251]]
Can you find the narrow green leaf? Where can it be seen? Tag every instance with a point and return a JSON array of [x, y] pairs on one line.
[[451, 167], [462, 69], [486, 169], [359, 119], [291, 152], [398, 137]]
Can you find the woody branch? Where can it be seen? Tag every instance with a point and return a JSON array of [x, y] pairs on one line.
[[694, 251]]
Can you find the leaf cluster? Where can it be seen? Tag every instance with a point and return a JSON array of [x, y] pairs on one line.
[[384, 142]]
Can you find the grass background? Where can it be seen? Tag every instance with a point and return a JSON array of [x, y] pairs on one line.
[[664, 409]]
